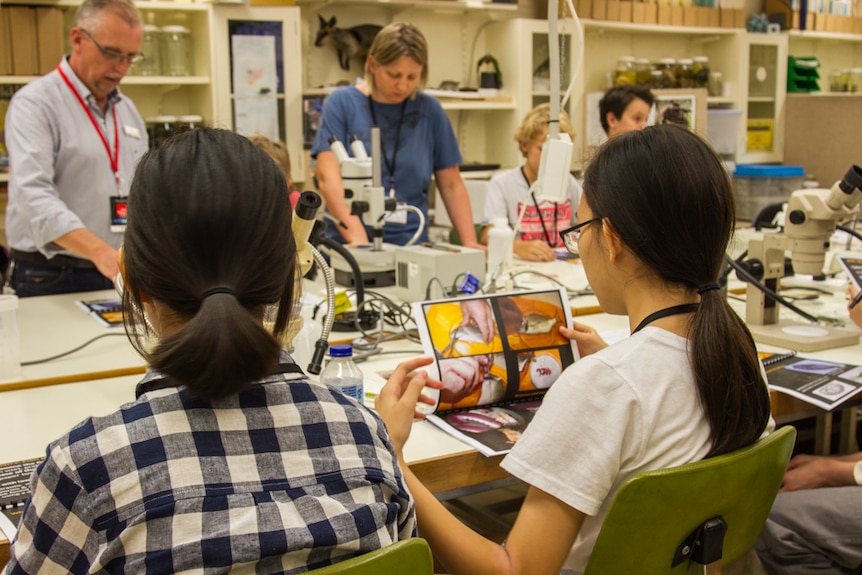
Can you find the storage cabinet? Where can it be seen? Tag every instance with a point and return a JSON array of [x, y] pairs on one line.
[[522, 47], [764, 88], [452, 30], [249, 42]]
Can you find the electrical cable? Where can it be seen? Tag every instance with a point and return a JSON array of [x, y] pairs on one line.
[[70, 352], [850, 231], [420, 228], [741, 271]]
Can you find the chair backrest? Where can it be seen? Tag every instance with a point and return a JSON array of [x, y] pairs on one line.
[[405, 557], [654, 512]]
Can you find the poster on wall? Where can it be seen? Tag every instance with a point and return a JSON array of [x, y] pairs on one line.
[[255, 84]]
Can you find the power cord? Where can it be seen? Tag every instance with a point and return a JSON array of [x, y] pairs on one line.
[[70, 352], [745, 275]]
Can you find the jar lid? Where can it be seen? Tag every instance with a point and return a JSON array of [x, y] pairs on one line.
[[667, 61], [701, 58], [191, 118], [685, 60], [177, 29], [642, 61], [341, 350], [150, 28], [626, 59]]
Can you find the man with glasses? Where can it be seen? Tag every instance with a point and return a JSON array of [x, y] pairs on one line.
[[73, 142]]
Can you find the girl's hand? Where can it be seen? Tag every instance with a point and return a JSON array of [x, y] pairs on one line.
[[587, 338], [397, 401]]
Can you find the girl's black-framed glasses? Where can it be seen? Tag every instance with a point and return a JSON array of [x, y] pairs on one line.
[[571, 235]]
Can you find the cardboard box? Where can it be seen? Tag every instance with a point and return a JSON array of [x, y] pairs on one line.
[[676, 16], [584, 8], [819, 22], [625, 11], [49, 27], [600, 10], [25, 45], [702, 13], [689, 15], [713, 17], [663, 15], [613, 10], [739, 17], [5, 43], [651, 13]]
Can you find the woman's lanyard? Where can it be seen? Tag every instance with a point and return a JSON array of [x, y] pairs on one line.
[[389, 165], [115, 159], [539, 211], [668, 311]]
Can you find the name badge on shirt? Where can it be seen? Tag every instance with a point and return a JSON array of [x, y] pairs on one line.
[[132, 132], [119, 213], [398, 217]]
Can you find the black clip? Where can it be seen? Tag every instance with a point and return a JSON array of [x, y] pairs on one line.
[[704, 545]]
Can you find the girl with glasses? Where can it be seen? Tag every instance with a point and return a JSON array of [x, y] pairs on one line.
[[657, 213]]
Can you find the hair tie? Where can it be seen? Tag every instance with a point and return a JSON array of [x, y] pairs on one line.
[[708, 287], [217, 290]]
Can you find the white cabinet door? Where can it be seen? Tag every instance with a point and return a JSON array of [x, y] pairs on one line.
[[257, 69]]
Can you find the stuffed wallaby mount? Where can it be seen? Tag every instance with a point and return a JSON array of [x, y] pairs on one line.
[[349, 42]]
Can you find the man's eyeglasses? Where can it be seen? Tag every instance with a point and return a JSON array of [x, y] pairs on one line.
[[113, 55], [571, 235]]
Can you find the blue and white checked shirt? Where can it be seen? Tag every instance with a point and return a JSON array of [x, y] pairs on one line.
[[284, 477]]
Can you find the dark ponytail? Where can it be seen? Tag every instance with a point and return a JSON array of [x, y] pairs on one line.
[[209, 238], [671, 201]]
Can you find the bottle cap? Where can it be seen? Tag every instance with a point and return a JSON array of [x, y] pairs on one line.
[[341, 350], [470, 284], [500, 222]]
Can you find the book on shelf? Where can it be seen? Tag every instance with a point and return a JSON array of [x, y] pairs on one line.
[[494, 380], [825, 384], [14, 491], [108, 312]]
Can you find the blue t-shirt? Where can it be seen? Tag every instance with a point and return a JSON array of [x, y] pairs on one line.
[[426, 143]]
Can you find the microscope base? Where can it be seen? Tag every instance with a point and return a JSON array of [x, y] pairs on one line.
[[377, 267], [803, 337]]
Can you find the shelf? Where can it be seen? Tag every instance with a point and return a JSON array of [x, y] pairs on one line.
[[825, 94], [17, 79], [477, 105], [719, 101], [628, 27], [129, 80], [165, 81], [434, 5], [761, 99], [145, 5], [815, 35]]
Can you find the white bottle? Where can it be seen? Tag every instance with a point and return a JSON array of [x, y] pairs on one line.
[[342, 374], [500, 239]]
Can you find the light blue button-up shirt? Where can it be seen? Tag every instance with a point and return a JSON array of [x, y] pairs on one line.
[[60, 176]]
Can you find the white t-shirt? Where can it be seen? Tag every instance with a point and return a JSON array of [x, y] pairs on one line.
[[508, 190], [630, 408]]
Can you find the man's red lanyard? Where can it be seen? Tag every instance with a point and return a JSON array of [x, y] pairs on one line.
[[115, 159]]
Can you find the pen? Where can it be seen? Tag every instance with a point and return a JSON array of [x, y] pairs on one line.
[[856, 300]]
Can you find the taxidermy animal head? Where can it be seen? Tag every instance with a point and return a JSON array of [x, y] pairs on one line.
[[349, 42]]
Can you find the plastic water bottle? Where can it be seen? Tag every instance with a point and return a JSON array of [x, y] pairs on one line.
[[342, 374], [500, 239]]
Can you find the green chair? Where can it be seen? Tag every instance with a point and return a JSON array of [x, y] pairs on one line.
[[405, 557], [705, 513]]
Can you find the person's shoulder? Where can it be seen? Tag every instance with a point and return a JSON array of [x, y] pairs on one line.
[[39, 90]]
